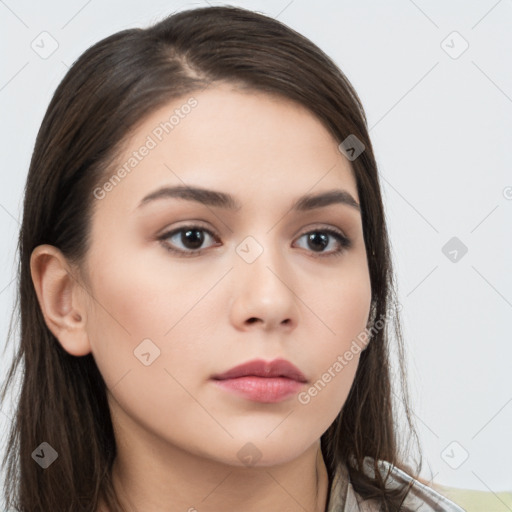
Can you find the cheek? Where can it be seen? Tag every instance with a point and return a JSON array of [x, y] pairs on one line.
[[351, 295], [341, 336], [133, 308], [325, 395], [150, 321], [342, 307], [136, 300], [144, 345], [335, 360]]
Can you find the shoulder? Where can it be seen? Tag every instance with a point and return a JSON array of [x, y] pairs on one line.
[[420, 497]]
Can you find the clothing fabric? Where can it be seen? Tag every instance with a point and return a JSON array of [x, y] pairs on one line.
[[420, 498]]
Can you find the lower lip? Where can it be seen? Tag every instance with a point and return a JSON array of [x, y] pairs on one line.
[[261, 389]]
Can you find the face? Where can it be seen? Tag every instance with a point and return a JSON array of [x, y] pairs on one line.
[[186, 289]]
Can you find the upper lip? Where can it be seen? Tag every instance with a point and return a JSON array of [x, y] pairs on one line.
[[261, 368]]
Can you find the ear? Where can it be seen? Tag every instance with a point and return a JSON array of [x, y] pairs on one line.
[[61, 298]]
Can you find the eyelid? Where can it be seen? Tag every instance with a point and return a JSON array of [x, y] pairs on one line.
[[321, 227], [187, 224]]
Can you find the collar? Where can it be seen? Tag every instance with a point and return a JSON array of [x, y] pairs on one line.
[[343, 497]]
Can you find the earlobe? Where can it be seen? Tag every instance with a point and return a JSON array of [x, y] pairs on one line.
[[60, 298]]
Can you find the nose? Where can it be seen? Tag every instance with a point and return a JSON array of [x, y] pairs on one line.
[[263, 293]]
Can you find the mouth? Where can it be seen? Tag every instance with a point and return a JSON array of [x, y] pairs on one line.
[[261, 381], [261, 389]]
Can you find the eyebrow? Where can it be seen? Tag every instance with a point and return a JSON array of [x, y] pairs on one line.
[[226, 201]]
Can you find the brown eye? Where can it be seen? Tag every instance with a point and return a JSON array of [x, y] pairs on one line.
[[318, 239], [190, 238]]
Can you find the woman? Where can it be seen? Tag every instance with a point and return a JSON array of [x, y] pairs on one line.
[[206, 285]]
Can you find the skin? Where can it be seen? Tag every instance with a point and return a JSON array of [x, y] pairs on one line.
[[177, 434]]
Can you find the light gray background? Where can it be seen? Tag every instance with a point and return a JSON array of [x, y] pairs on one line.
[[441, 125]]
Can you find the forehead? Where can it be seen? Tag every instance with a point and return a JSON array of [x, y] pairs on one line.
[[225, 137]]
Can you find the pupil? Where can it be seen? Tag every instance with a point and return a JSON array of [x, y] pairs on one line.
[[315, 238], [190, 241]]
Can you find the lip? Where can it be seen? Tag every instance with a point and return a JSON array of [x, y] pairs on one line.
[[262, 381], [261, 368]]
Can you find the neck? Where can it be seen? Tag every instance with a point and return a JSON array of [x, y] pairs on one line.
[[194, 484]]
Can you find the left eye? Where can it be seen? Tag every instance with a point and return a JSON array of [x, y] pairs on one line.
[[320, 238], [193, 237]]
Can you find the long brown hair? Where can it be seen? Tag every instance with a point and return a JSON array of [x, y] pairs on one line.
[[112, 87]]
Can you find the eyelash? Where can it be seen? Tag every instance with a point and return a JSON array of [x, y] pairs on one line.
[[345, 243]]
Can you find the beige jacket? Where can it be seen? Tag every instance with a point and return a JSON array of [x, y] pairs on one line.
[[419, 499]]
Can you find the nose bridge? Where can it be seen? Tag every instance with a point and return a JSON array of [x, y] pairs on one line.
[[264, 289], [262, 255]]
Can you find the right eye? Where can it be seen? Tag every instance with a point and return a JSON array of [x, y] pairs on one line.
[[191, 237]]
